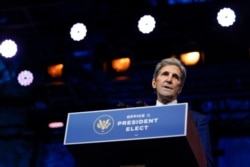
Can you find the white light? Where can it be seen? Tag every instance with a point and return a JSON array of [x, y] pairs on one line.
[[146, 24], [226, 17], [8, 48], [54, 125], [78, 32], [25, 78]]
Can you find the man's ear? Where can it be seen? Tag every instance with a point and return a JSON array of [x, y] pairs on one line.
[[180, 90], [153, 83]]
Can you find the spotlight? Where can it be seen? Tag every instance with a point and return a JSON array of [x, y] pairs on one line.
[[121, 64], [146, 24], [25, 78], [55, 71], [190, 58], [78, 32], [226, 17], [8, 48]]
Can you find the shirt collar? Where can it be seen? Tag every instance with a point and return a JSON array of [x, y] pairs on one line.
[[161, 104]]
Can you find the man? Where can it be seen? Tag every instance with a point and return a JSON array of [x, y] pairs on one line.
[[168, 80]]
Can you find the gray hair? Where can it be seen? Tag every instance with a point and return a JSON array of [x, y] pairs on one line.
[[171, 61]]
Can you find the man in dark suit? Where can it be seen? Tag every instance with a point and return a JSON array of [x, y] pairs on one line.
[[168, 80]]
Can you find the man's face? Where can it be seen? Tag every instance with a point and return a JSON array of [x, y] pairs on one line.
[[168, 83]]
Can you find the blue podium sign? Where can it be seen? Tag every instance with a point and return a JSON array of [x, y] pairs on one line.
[[125, 124]]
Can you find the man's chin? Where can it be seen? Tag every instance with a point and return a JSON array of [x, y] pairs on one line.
[[167, 95], [167, 98]]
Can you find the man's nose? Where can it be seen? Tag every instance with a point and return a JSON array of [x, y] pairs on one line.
[[169, 78]]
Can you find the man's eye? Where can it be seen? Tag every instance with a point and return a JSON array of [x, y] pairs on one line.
[[165, 73], [177, 77]]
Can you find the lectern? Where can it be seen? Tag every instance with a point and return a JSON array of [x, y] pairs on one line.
[[149, 136]]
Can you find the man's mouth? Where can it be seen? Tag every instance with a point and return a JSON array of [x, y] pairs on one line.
[[167, 87]]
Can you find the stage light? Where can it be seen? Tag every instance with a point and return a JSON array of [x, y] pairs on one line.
[[55, 71], [226, 17], [78, 31], [8, 48], [190, 58], [146, 24], [121, 64], [54, 125], [25, 78]]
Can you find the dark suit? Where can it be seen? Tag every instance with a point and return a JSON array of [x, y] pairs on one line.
[[201, 123]]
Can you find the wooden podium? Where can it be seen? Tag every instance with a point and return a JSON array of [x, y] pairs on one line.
[[151, 136]]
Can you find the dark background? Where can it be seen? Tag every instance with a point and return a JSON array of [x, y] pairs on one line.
[[218, 86]]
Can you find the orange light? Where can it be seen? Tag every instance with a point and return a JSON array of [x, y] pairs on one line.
[[190, 58], [55, 70], [121, 64]]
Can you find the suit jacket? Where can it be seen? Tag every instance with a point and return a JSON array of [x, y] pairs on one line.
[[201, 123]]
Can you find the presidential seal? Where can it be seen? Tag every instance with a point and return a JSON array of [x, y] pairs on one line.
[[103, 124]]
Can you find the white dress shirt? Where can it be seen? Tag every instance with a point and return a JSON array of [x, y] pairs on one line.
[[161, 104]]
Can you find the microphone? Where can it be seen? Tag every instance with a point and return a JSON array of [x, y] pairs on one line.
[[140, 103], [122, 105]]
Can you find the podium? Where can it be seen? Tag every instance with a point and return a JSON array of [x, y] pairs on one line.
[[149, 136]]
